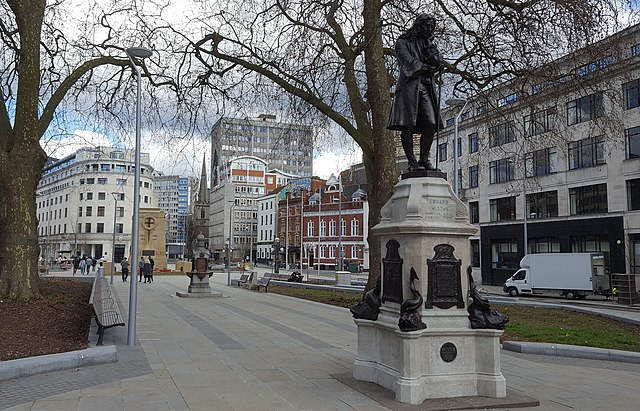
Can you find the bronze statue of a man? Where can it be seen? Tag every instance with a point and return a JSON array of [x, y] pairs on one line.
[[415, 103]]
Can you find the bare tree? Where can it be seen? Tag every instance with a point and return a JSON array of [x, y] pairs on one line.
[[335, 56], [49, 70]]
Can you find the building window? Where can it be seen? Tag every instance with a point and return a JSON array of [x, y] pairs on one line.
[[543, 245], [100, 228], [79, 211], [503, 209], [119, 228], [89, 211], [310, 229], [501, 134], [120, 196], [459, 147], [542, 205], [511, 98], [501, 171], [450, 122], [474, 212], [117, 155], [79, 229], [332, 228], [102, 181], [332, 251], [473, 143], [100, 211], [459, 183], [635, 50], [102, 196], [539, 122], [323, 228], [354, 251], [586, 153], [343, 228], [541, 162], [473, 176], [91, 180], [475, 253], [504, 254], [442, 152], [588, 199], [592, 244], [121, 181], [87, 228], [633, 194], [584, 109], [631, 92], [323, 251], [633, 142], [89, 196]]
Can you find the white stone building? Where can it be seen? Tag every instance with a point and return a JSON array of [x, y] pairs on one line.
[[555, 155], [76, 202]]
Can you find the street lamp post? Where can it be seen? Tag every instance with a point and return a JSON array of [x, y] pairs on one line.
[[113, 240], [276, 260], [461, 103], [227, 245], [134, 53]]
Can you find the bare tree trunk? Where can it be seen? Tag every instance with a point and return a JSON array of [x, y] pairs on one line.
[[20, 170], [380, 164]]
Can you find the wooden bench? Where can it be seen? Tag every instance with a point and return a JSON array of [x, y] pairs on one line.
[[263, 283], [105, 306], [242, 280]]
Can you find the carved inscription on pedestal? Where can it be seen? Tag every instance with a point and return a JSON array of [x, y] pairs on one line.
[[445, 283], [392, 274]]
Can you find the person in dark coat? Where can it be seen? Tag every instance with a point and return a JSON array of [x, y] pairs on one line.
[[153, 264], [415, 106], [147, 270], [125, 269]]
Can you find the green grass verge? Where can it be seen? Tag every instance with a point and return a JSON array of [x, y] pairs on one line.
[[525, 323]]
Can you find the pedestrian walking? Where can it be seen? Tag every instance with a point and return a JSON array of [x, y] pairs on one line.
[[88, 263], [94, 262], [82, 266], [76, 264], [153, 264], [125, 269], [146, 269], [140, 266]]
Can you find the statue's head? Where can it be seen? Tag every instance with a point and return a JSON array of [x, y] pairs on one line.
[[425, 24]]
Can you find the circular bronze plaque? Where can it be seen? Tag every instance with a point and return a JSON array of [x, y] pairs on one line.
[[448, 352]]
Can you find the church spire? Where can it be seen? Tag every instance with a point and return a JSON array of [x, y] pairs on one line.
[[203, 192]]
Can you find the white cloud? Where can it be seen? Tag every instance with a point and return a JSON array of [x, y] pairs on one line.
[[60, 148], [329, 162]]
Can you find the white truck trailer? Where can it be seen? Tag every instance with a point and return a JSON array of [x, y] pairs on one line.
[[571, 274]]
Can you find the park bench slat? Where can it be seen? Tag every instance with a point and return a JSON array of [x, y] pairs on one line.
[[105, 306]]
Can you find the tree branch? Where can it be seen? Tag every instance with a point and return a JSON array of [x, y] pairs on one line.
[[68, 82]]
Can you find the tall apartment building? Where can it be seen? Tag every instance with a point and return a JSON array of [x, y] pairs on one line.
[[556, 156], [173, 194], [234, 205], [283, 146], [78, 196]]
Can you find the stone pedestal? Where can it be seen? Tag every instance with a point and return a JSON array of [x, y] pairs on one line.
[[199, 277], [425, 226]]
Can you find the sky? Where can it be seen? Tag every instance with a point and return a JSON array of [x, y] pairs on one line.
[[185, 158]]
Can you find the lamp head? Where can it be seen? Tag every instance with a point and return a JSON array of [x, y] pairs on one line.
[[139, 52]]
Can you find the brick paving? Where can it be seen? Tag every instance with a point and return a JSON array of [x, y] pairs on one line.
[[262, 351]]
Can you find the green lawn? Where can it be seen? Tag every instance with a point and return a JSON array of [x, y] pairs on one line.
[[525, 323]]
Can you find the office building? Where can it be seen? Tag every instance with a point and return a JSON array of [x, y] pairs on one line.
[[78, 196]]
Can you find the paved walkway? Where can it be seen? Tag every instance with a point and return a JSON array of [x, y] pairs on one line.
[[262, 351]]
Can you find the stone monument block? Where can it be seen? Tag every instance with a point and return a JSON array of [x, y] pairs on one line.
[[425, 227], [153, 237]]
